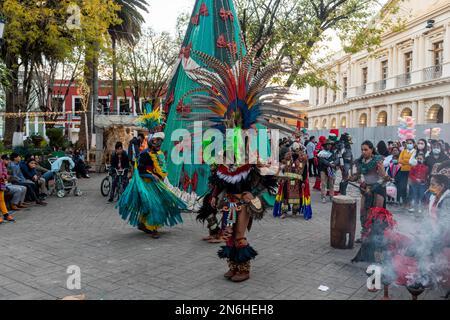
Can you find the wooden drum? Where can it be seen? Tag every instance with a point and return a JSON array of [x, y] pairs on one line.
[[343, 222]]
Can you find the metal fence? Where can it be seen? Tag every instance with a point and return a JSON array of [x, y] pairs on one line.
[[376, 134], [433, 72], [380, 85], [404, 80]]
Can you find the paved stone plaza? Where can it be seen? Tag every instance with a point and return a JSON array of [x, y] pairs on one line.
[[120, 262]]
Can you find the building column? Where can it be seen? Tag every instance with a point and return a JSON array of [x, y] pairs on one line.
[[446, 107], [395, 69], [389, 115], [354, 119], [421, 112], [312, 96], [27, 125], [421, 62], [415, 109], [446, 67], [373, 117], [416, 75], [36, 124], [394, 115]]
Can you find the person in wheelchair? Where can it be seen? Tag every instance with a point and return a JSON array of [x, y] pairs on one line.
[[119, 161]]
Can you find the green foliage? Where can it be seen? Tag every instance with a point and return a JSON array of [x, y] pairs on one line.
[[3, 150], [56, 137], [300, 31]]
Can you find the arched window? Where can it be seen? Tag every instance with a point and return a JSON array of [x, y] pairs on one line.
[[316, 124], [333, 123], [435, 114], [407, 112], [382, 119], [324, 124], [343, 122], [363, 120]]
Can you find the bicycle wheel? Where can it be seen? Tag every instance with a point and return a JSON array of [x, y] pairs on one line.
[[105, 187], [119, 189]]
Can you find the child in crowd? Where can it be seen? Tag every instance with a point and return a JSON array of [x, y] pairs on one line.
[[418, 177]]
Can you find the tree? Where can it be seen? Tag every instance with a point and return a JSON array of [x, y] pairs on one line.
[[41, 30], [145, 67], [45, 85], [129, 31], [299, 29]]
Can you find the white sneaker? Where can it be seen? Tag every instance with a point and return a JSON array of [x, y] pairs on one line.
[[411, 210], [324, 200]]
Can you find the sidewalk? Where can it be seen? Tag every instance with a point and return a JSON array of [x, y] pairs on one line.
[[120, 262]]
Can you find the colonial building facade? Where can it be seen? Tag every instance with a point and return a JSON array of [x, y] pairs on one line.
[[409, 75]]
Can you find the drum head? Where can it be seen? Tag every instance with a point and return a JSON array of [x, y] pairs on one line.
[[344, 200]]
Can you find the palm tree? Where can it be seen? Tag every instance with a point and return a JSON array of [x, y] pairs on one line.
[[128, 31]]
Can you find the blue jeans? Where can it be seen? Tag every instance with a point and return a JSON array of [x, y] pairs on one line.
[[417, 192], [50, 175]]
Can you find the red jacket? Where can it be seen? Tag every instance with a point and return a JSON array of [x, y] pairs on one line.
[[418, 173]]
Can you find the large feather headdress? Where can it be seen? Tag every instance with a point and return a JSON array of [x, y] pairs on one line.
[[151, 120], [238, 97]]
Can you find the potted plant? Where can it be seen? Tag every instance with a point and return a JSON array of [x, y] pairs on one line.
[[37, 139]]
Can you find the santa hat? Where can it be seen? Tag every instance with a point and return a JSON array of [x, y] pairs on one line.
[[334, 134]]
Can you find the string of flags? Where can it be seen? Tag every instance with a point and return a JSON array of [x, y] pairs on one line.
[[38, 113]]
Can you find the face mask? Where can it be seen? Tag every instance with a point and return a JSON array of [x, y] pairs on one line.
[[434, 190], [436, 151], [394, 161], [420, 161], [409, 146]]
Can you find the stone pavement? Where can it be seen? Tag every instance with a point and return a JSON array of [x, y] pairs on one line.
[[120, 262]]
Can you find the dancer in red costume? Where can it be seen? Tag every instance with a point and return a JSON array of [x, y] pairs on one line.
[[319, 148]]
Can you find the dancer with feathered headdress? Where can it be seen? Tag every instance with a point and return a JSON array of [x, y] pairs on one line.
[[147, 201], [234, 99]]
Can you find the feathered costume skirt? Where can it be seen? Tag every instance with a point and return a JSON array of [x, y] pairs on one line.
[[148, 200]]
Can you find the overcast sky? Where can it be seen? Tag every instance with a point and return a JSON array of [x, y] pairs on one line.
[[163, 15]]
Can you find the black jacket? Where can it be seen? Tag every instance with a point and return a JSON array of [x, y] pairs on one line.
[[430, 161], [125, 161]]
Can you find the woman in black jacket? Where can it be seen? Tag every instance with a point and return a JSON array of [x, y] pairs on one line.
[[437, 155]]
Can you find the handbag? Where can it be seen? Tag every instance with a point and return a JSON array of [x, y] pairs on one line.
[[256, 208]]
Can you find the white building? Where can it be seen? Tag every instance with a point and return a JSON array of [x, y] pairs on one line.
[[408, 75]]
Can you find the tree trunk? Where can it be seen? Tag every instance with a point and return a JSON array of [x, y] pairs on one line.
[[94, 88], [114, 75], [85, 123], [11, 98]]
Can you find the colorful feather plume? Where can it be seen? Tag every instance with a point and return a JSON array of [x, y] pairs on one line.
[[238, 97], [151, 120]]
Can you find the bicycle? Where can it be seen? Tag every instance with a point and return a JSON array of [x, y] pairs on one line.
[[106, 185]]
